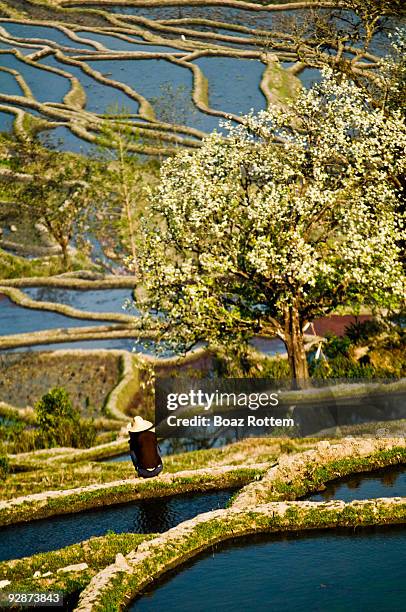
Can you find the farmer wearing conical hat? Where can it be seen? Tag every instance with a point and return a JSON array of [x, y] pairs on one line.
[[144, 449]]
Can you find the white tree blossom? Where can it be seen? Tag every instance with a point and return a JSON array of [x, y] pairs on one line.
[[288, 217]]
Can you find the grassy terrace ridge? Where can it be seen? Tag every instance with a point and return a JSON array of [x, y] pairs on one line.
[[50, 469], [21, 299], [49, 458], [157, 137], [96, 552], [303, 473], [58, 468], [81, 279], [101, 552], [61, 335], [262, 6], [252, 450], [109, 580], [294, 476], [113, 587], [70, 501]]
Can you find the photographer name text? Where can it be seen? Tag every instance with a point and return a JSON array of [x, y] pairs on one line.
[[218, 420]]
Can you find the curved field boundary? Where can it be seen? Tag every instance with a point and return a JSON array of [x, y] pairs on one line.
[[96, 553], [117, 403], [70, 501], [297, 475], [119, 399], [19, 80], [146, 111], [57, 26], [25, 60], [74, 281], [18, 297], [76, 96], [113, 411], [18, 123], [75, 99], [41, 459], [170, 29], [115, 586], [249, 6], [56, 336], [189, 44], [39, 43]]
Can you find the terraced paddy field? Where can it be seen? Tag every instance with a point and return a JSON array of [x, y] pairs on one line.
[[105, 539], [232, 571], [146, 516], [219, 60], [228, 520]]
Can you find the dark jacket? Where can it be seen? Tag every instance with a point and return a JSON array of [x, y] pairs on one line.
[[145, 446]]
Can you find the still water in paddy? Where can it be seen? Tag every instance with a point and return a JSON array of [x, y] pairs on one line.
[[389, 482], [334, 571], [17, 320], [144, 516], [92, 300]]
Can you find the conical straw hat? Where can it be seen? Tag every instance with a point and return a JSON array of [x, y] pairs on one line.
[[139, 424]]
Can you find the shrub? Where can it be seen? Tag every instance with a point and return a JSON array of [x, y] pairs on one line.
[[344, 367], [19, 438], [4, 464], [276, 369], [54, 407], [60, 422], [360, 333], [336, 346], [248, 365]]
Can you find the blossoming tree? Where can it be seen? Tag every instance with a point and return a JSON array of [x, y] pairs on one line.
[[285, 219]]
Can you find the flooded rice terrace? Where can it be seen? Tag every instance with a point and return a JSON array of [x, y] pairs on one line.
[[159, 515], [144, 516], [382, 483], [219, 63], [174, 74], [15, 319], [290, 573]]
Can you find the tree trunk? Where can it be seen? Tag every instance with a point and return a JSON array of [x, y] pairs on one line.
[[294, 341], [65, 255]]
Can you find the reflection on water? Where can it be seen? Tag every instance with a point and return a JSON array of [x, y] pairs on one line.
[[99, 97], [334, 571], [62, 139], [389, 482], [6, 122], [145, 516], [118, 44], [233, 83], [149, 77], [17, 320], [45, 86], [20, 30], [238, 16], [117, 458], [101, 300]]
